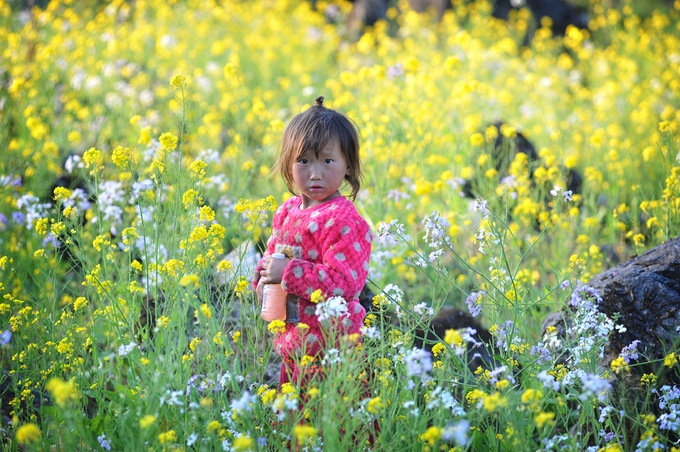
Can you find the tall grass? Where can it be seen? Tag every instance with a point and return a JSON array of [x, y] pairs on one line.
[[130, 321]]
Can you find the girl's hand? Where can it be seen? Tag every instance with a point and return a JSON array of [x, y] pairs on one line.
[[272, 270], [259, 291]]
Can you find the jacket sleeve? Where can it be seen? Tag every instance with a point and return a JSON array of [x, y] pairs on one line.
[[344, 265]]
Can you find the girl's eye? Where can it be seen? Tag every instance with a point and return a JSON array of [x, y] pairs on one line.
[[303, 161], [327, 161]]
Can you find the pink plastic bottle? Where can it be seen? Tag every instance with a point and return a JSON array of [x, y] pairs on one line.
[[274, 299]]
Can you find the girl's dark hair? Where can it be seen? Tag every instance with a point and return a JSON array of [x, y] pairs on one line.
[[312, 129]]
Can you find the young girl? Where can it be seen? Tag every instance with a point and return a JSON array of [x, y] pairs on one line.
[[326, 242]]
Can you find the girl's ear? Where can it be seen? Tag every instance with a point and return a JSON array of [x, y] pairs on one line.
[[347, 172]]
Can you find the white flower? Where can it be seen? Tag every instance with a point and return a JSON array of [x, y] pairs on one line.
[[333, 307], [555, 191], [371, 332], [123, 350], [332, 356], [418, 363], [393, 293], [192, 439], [171, 398], [457, 433], [423, 309], [245, 403]]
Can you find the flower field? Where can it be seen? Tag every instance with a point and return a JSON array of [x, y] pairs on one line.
[[137, 143]]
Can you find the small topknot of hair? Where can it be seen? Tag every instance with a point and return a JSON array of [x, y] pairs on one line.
[[319, 101]]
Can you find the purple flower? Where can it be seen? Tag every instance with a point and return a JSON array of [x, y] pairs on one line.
[[585, 297], [544, 353], [18, 217], [630, 352], [564, 285], [502, 332], [5, 337], [474, 302], [3, 222], [13, 180], [395, 71], [50, 240], [103, 442], [567, 195]]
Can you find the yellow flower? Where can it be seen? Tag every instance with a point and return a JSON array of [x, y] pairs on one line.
[[41, 226], [197, 167], [476, 139], [189, 197], [544, 418], [317, 296], [411, 64], [62, 391], [213, 425], [167, 437], [39, 253], [236, 336], [508, 131], [313, 392], [121, 157], [61, 193], [28, 433], [224, 266], [194, 343], [494, 401], [205, 310], [432, 435], [190, 279], [670, 360], [217, 339], [92, 157], [648, 380], [438, 349], [453, 337], [243, 443], [80, 303], [70, 212], [268, 396], [502, 384], [176, 81], [276, 326], [162, 321], [304, 433], [206, 214], [168, 141], [619, 364], [306, 360], [144, 135], [532, 396], [147, 421], [374, 406]]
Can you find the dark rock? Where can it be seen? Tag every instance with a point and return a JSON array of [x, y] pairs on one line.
[[451, 318], [643, 295]]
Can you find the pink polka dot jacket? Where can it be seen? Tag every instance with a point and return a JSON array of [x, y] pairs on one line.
[[329, 246]]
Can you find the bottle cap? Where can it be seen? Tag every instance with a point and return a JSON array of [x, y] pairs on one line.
[[279, 256]]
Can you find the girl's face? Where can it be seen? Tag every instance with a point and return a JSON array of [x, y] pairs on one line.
[[319, 178]]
